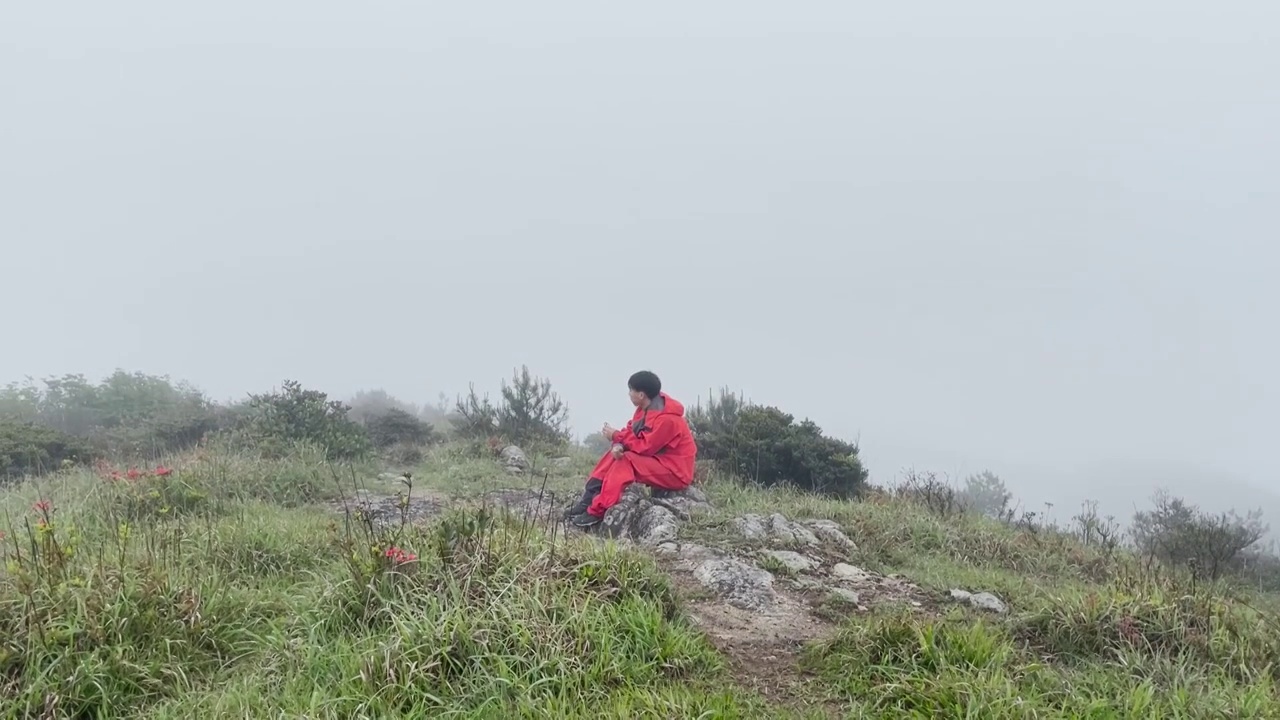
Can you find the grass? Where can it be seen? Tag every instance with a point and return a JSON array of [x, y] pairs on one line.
[[231, 588]]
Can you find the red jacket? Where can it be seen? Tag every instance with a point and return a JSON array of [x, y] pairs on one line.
[[663, 434]]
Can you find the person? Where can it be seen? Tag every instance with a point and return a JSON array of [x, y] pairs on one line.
[[656, 448]]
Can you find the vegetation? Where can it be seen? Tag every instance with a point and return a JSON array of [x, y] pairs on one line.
[[765, 446], [529, 413], [235, 577]]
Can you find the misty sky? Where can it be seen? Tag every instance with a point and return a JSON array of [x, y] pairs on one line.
[[1024, 236]]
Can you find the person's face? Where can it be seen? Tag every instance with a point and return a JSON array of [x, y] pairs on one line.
[[638, 398]]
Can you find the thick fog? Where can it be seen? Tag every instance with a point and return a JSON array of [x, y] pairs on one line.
[[1034, 238]]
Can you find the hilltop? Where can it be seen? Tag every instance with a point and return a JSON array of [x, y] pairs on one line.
[[225, 584]]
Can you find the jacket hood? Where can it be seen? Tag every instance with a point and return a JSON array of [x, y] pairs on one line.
[[671, 406]]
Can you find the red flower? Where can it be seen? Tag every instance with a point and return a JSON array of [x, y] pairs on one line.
[[115, 475], [162, 471], [41, 506], [399, 556], [133, 474]]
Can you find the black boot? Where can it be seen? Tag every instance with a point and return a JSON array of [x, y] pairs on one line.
[[588, 496]]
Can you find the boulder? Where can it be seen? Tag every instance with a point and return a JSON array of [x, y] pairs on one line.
[[983, 600], [830, 532], [649, 520], [514, 460]]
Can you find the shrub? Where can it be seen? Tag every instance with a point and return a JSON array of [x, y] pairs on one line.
[[27, 448], [529, 414], [765, 445], [1183, 536], [397, 427], [297, 415]]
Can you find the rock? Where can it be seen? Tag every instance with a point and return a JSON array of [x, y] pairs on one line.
[[831, 532], [385, 511], [844, 571], [514, 459], [776, 527], [982, 601], [530, 504], [647, 520], [846, 595], [741, 585], [636, 518], [751, 527], [391, 477], [562, 463], [793, 561]]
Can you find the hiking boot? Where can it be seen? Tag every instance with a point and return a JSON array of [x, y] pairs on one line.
[[585, 521], [588, 496], [660, 494]]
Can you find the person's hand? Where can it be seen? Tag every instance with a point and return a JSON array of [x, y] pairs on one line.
[[608, 431], [617, 452]]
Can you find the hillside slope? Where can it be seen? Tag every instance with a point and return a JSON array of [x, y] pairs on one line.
[[242, 587]]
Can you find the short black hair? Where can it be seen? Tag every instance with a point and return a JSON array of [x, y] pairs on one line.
[[645, 382]]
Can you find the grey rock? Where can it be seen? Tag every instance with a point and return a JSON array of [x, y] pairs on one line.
[[790, 532], [514, 459], [983, 600], [846, 595], [646, 520], [751, 527], [774, 527], [844, 571], [741, 585], [562, 463], [831, 532], [793, 561]]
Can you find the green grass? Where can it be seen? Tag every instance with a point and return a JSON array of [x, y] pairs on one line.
[[231, 588]]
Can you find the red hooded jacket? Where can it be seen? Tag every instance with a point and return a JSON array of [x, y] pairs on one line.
[[663, 434]]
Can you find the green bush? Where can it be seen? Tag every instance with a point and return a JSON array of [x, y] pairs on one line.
[[278, 420], [29, 449], [765, 445], [397, 427]]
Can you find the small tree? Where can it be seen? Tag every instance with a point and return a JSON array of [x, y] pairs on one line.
[[295, 414], [1183, 536], [529, 413], [986, 494]]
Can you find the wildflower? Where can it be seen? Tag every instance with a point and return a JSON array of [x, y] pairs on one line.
[[399, 556], [133, 474], [42, 506], [162, 471]]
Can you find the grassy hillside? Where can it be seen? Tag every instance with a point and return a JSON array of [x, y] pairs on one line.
[[223, 585]]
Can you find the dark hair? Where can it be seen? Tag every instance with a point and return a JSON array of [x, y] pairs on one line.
[[645, 382]]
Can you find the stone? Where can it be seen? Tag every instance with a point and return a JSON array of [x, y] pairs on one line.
[[514, 460], [831, 532], [789, 532], [646, 520], [741, 585], [774, 527], [844, 571], [751, 527], [846, 595], [793, 561], [562, 463], [983, 600]]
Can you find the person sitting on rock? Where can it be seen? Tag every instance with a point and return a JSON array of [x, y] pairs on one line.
[[656, 449]]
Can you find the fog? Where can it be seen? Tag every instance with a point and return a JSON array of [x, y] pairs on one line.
[[974, 235]]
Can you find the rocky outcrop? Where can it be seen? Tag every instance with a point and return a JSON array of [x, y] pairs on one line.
[[792, 561], [776, 528], [647, 520]]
